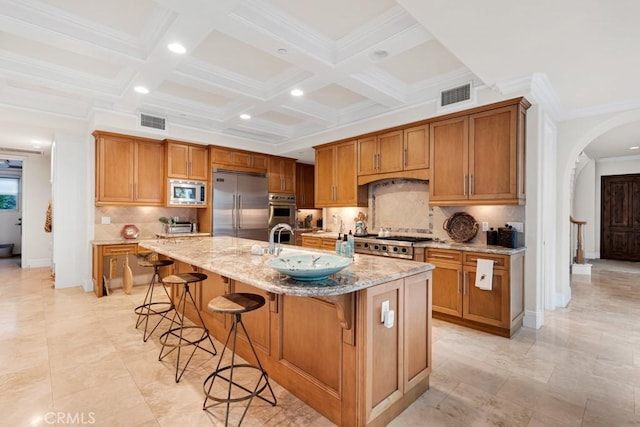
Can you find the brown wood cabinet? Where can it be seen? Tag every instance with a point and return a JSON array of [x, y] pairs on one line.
[[398, 153], [457, 299], [319, 242], [282, 175], [479, 158], [129, 170], [305, 176], [336, 181], [239, 160], [187, 161]]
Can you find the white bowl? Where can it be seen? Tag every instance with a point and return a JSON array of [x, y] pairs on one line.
[[308, 267]]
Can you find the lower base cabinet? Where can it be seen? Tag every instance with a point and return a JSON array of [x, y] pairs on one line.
[[457, 299], [333, 352], [319, 242]]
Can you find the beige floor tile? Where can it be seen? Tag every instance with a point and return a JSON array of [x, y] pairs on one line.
[[65, 351]]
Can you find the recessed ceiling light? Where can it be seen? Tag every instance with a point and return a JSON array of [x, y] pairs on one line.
[[245, 116], [635, 147], [282, 51], [297, 92], [141, 89], [177, 48]]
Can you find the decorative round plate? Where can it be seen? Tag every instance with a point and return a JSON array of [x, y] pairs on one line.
[[461, 227], [130, 231]]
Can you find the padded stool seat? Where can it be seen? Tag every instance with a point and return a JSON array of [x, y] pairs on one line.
[[151, 307], [236, 304], [175, 338]]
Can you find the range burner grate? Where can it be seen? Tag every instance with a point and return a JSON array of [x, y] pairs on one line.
[[412, 239]]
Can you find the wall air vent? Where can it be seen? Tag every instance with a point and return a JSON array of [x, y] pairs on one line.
[[156, 123], [457, 95], [19, 151]]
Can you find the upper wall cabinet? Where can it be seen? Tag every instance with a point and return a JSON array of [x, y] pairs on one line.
[[395, 154], [129, 170], [479, 158], [304, 186], [282, 175], [239, 160], [187, 161], [336, 182]]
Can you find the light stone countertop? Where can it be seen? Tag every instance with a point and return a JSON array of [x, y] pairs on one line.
[[231, 257], [123, 241], [474, 247]]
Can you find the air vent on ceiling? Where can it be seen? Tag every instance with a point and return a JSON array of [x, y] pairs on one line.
[[153, 122], [455, 95], [18, 150]]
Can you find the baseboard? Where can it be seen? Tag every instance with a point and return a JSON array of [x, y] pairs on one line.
[[532, 319], [37, 263], [581, 269], [562, 300]]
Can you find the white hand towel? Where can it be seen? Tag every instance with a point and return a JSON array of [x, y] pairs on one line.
[[484, 274]]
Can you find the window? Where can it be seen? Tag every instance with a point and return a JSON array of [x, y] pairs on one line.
[[9, 192]]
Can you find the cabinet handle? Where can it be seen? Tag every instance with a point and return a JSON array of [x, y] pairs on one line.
[[471, 189], [119, 251], [441, 256], [464, 185], [404, 157], [464, 284], [459, 281]]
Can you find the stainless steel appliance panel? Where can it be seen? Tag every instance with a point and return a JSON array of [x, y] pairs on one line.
[[240, 205]]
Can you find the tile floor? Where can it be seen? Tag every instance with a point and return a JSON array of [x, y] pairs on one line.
[[68, 358]]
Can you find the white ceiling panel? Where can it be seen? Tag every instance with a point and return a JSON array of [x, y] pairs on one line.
[[79, 59]]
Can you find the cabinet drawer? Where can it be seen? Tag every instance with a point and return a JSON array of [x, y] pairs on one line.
[[328, 244], [119, 249], [500, 261], [311, 242], [444, 255]]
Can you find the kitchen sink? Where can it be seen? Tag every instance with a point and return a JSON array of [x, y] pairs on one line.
[[308, 266]]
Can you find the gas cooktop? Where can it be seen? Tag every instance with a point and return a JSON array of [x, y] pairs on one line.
[[411, 239]]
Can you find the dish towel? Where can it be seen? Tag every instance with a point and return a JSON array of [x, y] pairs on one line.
[[484, 274]]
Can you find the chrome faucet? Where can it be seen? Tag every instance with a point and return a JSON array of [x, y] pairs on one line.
[[273, 250]]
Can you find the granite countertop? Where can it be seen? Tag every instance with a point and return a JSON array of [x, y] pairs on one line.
[[475, 247], [123, 241], [231, 257]]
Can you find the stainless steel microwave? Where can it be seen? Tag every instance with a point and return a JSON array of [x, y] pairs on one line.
[[187, 193]]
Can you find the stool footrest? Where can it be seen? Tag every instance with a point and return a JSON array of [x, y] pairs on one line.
[[251, 393]]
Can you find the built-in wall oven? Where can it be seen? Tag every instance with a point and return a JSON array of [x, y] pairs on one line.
[[282, 210]]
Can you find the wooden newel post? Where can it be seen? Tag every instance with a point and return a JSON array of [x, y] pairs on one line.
[[579, 259]]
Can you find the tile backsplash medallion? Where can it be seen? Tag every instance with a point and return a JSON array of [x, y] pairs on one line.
[[403, 206], [143, 217]]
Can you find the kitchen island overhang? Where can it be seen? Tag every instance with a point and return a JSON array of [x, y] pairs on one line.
[[325, 341]]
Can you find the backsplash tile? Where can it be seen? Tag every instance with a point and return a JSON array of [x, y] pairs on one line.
[[143, 217]]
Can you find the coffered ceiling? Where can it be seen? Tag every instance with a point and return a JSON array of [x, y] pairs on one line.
[[353, 60]]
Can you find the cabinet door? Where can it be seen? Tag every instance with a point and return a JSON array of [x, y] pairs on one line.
[[149, 173], [311, 242], [390, 152], [490, 307], [275, 178], [288, 174], [178, 160], [346, 179], [324, 176], [449, 156], [417, 329], [115, 169], [304, 186], [447, 288], [199, 163], [416, 148], [367, 156], [493, 154], [259, 162]]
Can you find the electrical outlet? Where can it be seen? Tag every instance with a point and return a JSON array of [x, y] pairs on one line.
[[106, 220], [384, 310], [485, 226], [518, 226]]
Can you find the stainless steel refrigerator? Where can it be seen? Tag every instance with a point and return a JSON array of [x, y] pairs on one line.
[[240, 205]]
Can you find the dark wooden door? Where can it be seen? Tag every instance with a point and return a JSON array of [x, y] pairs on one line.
[[620, 233]]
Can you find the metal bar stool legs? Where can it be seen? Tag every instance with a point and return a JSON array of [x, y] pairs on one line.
[[236, 304], [150, 307], [176, 338]]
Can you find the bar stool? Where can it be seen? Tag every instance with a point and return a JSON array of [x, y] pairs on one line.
[[180, 331], [236, 304], [150, 307]]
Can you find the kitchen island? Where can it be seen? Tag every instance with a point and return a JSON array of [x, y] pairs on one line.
[[325, 340]]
